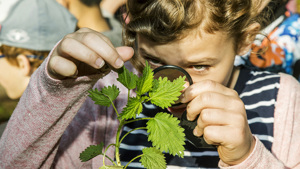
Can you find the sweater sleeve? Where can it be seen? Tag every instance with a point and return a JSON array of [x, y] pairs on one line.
[[44, 111], [286, 148]]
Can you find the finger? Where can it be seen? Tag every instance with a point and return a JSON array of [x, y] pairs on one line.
[[218, 135], [234, 144], [204, 86], [88, 30], [60, 67], [223, 135], [99, 44], [214, 117], [74, 50], [213, 100], [125, 52]]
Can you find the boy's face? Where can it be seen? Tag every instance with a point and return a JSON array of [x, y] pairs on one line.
[[12, 79], [209, 56]]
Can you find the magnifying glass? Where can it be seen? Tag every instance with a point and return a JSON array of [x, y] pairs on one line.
[[172, 72]]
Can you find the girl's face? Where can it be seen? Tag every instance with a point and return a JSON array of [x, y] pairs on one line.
[[210, 56], [205, 57]]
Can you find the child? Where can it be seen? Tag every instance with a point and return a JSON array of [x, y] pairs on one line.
[[90, 15], [251, 116], [26, 42], [277, 48]]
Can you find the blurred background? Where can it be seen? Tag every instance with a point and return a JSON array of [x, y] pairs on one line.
[[23, 46]]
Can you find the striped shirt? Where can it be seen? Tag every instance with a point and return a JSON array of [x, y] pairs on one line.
[[258, 90]]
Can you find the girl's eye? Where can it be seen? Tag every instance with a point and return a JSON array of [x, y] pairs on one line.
[[200, 67], [153, 62]]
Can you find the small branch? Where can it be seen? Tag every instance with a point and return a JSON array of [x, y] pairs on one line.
[[104, 155], [131, 131], [133, 160], [115, 108], [117, 153], [128, 94], [130, 121]]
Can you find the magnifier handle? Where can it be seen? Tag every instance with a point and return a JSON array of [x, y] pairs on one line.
[[189, 126]]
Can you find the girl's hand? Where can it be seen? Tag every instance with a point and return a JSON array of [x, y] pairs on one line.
[[86, 52], [222, 119]]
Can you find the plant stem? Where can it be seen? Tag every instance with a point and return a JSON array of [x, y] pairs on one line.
[[147, 118], [110, 160], [117, 153], [104, 155], [128, 94], [115, 108], [131, 131], [133, 160]]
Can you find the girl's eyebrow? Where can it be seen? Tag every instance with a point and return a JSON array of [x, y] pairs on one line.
[[191, 61], [206, 60], [143, 52]]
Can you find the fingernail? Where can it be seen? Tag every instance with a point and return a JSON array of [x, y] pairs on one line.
[[119, 63], [99, 63], [195, 132], [181, 98], [186, 85], [75, 75], [188, 118]]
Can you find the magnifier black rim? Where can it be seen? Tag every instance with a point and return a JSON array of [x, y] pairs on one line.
[[187, 75]]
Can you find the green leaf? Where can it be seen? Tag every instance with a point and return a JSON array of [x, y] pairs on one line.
[[91, 152], [111, 167], [166, 92], [166, 134], [155, 84], [152, 158], [106, 96], [134, 107], [144, 83], [128, 79]]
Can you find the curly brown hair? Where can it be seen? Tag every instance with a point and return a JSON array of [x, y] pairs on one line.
[[163, 21]]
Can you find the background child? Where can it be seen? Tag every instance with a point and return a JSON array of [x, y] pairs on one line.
[[27, 34], [90, 15], [277, 48], [250, 115]]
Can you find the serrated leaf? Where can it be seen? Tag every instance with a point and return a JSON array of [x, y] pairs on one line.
[[134, 107], [111, 91], [165, 134], [152, 158], [165, 93], [91, 152], [144, 83], [105, 96], [155, 84], [111, 167], [128, 79]]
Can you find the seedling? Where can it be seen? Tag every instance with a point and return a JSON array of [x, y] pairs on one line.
[[161, 128]]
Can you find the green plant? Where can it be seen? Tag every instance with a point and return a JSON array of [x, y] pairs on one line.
[[160, 92]]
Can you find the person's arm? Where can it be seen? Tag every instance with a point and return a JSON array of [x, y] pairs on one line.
[[33, 132], [112, 6], [48, 105], [285, 150]]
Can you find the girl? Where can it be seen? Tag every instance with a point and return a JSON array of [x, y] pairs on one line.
[[250, 116]]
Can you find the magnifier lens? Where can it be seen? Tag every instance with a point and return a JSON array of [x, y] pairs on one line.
[[172, 72]]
